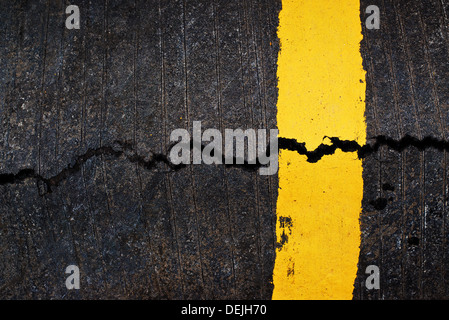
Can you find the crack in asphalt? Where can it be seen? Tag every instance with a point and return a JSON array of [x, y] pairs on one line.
[[120, 149], [125, 149], [362, 151]]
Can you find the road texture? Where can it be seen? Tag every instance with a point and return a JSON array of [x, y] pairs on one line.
[[86, 116], [404, 218], [132, 73]]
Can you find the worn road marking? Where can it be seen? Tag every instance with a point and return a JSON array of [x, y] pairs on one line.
[[321, 93]]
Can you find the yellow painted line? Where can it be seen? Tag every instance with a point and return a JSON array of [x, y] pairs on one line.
[[321, 93]]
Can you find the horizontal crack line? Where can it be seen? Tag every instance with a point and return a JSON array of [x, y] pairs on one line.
[[362, 151], [120, 149], [126, 149]]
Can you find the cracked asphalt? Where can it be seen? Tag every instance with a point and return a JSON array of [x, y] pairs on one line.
[[407, 77], [135, 71]]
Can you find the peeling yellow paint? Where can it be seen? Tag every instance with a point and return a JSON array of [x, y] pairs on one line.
[[321, 93]]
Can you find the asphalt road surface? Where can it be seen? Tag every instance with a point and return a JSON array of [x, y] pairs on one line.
[[86, 116]]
